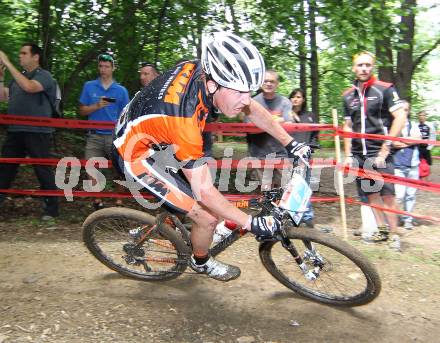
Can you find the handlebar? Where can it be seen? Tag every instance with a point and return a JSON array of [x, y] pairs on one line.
[[314, 145]]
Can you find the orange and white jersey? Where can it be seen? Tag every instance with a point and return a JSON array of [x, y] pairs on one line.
[[171, 110]]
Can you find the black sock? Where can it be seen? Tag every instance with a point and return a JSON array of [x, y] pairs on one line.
[[200, 260]]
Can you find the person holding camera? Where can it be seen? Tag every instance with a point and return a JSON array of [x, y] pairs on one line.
[[103, 100], [28, 94]]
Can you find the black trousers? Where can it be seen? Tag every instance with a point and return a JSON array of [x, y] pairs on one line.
[[34, 145]]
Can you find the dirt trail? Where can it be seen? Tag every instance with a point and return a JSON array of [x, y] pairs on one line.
[[53, 290]]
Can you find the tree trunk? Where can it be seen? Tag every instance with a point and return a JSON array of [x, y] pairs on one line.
[[162, 15], [45, 33], [302, 50], [314, 73], [404, 71], [382, 42], [129, 48], [235, 23]]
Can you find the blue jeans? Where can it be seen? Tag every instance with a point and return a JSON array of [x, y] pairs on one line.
[[406, 195], [308, 214]]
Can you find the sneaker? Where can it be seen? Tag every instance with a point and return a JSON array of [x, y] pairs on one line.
[[216, 269], [384, 231], [395, 243], [377, 237], [408, 226]]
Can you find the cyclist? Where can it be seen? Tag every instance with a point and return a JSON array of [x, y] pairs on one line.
[[158, 139]]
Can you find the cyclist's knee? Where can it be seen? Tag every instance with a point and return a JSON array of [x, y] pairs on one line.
[[202, 217]]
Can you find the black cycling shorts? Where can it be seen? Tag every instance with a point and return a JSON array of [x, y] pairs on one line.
[[160, 174], [368, 186]]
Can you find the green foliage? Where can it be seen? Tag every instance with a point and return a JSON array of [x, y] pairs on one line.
[[163, 31]]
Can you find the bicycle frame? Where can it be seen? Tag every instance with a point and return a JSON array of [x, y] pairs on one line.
[[268, 206]]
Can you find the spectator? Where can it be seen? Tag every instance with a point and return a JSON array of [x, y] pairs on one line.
[[373, 107], [28, 95], [406, 162], [262, 144], [147, 73], [299, 114], [428, 132], [102, 99]]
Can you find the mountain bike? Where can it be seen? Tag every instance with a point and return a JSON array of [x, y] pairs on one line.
[[316, 265]]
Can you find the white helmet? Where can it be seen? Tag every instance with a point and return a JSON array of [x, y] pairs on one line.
[[232, 62]]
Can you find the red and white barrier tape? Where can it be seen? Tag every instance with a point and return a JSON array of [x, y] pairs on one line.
[[368, 174], [230, 197], [222, 164], [346, 134], [108, 125], [419, 216], [243, 164]]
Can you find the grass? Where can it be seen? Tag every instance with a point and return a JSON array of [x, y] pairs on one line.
[[412, 256]]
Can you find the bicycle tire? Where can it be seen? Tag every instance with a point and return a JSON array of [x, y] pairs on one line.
[[316, 290], [105, 234]]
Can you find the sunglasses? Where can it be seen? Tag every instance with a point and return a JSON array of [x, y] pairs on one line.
[[106, 58]]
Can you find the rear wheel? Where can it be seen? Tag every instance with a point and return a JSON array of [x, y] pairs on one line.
[[335, 272], [129, 242]]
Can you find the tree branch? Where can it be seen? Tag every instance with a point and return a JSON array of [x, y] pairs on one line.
[[344, 75], [422, 56]]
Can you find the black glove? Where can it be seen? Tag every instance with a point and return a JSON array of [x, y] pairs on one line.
[[265, 226], [297, 150]]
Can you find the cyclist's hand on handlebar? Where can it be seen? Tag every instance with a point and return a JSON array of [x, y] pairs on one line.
[[298, 151], [265, 226]]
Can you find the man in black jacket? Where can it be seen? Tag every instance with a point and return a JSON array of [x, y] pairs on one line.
[[373, 107]]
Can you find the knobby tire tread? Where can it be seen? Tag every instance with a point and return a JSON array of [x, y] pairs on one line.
[[130, 214], [370, 272]]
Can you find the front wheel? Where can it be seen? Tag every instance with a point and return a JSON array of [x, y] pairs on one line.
[[333, 271], [129, 242]]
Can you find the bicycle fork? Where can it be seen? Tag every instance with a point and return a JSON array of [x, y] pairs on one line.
[[309, 274]]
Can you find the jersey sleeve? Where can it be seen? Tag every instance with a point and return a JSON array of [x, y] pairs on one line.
[[45, 79], [392, 99], [85, 98], [346, 111]]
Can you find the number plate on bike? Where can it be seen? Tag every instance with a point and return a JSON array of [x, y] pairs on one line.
[[296, 197]]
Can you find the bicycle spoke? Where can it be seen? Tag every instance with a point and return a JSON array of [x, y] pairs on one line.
[[334, 282], [111, 236]]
